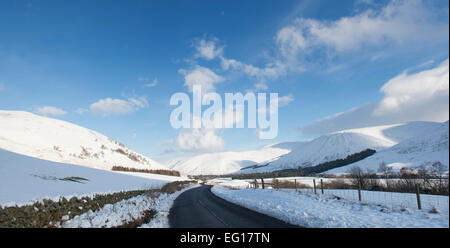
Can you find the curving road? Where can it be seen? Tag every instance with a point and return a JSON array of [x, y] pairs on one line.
[[199, 208]]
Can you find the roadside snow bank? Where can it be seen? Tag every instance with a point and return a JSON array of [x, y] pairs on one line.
[[161, 219], [327, 212], [113, 215]]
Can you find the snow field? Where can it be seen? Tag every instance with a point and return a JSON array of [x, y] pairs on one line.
[[229, 183], [389, 199], [24, 180], [324, 211]]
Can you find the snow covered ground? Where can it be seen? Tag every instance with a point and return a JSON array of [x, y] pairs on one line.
[[112, 215], [24, 180], [228, 182], [325, 211], [422, 149], [389, 199], [60, 141]]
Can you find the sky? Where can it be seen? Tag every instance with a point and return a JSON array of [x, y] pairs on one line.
[[112, 66]]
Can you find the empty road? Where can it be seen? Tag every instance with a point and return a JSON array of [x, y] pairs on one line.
[[199, 208]]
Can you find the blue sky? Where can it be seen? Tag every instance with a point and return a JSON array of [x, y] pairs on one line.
[[112, 66]]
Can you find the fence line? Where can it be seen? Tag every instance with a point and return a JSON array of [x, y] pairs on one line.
[[393, 200]]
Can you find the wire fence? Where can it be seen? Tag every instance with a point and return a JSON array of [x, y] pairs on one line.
[[393, 200]]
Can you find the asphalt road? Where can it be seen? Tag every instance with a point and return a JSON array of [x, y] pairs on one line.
[[199, 208]]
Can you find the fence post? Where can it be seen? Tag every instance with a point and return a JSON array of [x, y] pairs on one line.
[[359, 191], [419, 205], [314, 182], [321, 185], [295, 184], [262, 183], [256, 184]]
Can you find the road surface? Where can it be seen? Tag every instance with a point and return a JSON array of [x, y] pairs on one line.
[[199, 208]]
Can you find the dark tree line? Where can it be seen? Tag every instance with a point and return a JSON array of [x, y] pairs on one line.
[[350, 159], [307, 171], [161, 172]]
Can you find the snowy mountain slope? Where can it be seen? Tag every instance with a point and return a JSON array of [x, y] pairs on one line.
[[393, 134], [290, 155], [23, 179], [225, 162], [64, 142], [340, 144], [422, 149]]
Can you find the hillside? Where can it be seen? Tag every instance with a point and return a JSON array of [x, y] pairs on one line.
[[59, 141], [422, 149], [227, 162], [339, 145], [24, 179], [291, 155]]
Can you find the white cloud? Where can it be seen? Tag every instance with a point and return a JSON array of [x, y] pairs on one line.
[[285, 100], [415, 91], [398, 22], [153, 83], [421, 96], [208, 49], [81, 111], [199, 140], [261, 86], [202, 76], [50, 111], [109, 106], [270, 71], [147, 80]]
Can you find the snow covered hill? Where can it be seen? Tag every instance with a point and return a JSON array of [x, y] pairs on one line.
[[227, 162], [290, 155], [340, 144], [24, 179], [59, 141], [423, 149]]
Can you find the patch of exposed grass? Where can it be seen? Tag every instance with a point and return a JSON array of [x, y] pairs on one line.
[[74, 179]]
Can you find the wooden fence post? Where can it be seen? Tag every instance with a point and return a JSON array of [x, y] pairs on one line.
[[359, 191], [419, 205], [314, 182], [262, 183], [295, 184], [256, 184], [321, 185]]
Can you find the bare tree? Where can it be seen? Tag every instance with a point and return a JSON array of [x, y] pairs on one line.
[[438, 169], [385, 171]]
